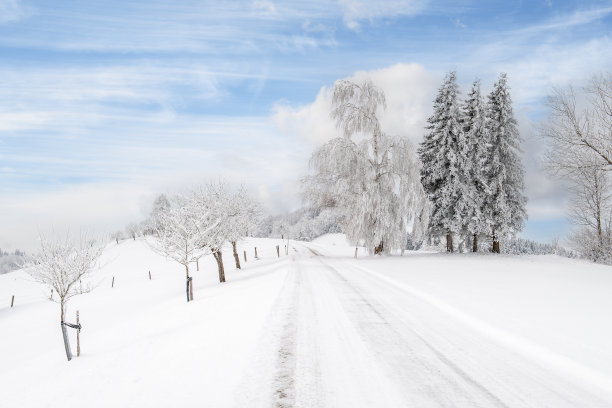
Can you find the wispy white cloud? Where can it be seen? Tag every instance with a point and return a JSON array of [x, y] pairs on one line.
[[356, 11], [408, 89], [12, 11], [577, 18]]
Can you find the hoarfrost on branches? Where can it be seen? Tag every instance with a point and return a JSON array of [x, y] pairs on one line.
[[367, 176], [63, 263]]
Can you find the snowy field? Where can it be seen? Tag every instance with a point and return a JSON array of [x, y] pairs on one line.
[[316, 328]]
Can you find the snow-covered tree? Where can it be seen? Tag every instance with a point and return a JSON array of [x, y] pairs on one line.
[[178, 236], [117, 235], [62, 264], [210, 207], [580, 153], [160, 204], [242, 216], [591, 211], [580, 126], [133, 230], [473, 145], [441, 160], [505, 202], [367, 176]]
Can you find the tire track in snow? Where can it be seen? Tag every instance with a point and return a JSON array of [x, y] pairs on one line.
[[284, 377], [426, 375]]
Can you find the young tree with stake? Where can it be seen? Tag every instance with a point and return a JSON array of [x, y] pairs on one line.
[[62, 264], [178, 237]]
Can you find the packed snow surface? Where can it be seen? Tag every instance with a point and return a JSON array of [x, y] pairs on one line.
[[316, 328]]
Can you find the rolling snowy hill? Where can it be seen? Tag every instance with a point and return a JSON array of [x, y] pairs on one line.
[[316, 328]]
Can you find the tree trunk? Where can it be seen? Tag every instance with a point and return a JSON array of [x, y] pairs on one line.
[[449, 242], [236, 257], [496, 246], [475, 245], [66, 341], [219, 258], [379, 249], [189, 284]]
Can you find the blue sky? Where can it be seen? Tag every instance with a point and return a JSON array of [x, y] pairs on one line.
[[104, 104]]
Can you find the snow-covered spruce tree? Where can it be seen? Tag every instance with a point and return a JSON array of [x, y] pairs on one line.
[[178, 236], [368, 177], [505, 202], [473, 142], [441, 162], [62, 264]]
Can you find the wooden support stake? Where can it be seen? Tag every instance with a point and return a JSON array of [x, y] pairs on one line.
[[255, 252], [245, 256], [197, 264], [355, 252], [78, 336], [277, 251], [113, 283], [12, 300], [149, 275]]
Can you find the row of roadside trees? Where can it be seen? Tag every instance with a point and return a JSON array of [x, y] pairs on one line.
[[190, 226]]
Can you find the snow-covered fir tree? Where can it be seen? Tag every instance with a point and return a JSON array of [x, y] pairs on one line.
[[441, 161], [505, 203], [473, 145]]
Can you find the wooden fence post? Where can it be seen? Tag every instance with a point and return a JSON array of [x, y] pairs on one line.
[[149, 275], [12, 300], [355, 252], [255, 252], [78, 335], [113, 283], [277, 251], [245, 256], [197, 264]]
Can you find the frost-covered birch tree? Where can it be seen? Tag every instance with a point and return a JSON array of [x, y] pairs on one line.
[[505, 202], [368, 177], [473, 143], [441, 160]]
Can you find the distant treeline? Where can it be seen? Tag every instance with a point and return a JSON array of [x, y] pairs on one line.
[[9, 261]]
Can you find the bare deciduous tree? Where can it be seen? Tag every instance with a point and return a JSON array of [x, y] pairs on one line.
[[580, 127], [580, 134]]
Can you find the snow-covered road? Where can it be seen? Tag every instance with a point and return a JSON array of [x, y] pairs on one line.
[[317, 328], [342, 337]]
